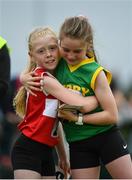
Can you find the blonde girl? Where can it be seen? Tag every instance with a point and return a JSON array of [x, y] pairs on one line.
[[32, 155]]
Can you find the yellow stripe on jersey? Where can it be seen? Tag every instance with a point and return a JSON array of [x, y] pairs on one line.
[[108, 75], [95, 76], [83, 62]]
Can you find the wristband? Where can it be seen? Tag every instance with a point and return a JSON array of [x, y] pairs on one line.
[[80, 119]]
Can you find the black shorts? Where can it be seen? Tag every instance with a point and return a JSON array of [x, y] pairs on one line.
[[102, 148], [31, 155]]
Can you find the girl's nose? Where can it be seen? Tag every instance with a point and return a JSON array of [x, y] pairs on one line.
[[48, 54], [71, 56]]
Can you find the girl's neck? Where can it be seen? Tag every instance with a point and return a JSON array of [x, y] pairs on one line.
[[51, 72]]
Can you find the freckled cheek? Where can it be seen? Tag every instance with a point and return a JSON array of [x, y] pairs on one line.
[[39, 59], [81, 55], [67, 54]]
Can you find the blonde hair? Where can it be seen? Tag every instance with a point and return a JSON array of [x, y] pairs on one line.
[[78, 27], [40, 32], [19, 101]]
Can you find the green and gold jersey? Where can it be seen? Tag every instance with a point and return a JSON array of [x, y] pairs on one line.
[[81, 78]]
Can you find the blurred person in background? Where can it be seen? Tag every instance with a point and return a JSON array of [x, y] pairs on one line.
[[4, 68], [9, 131], [124, 104], [4, 89]]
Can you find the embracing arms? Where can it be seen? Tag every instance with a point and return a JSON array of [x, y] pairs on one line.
[[109, 114], [53, 87]]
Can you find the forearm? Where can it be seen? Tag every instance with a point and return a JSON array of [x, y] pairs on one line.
[[100, 118], [53, 87], [60, 147], [23, 76], [92, 104], [26, 73]]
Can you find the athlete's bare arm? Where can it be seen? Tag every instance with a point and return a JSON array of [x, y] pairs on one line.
[[52, 86]]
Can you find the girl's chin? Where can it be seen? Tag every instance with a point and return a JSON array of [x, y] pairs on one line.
[[72, 63], [51, 68]]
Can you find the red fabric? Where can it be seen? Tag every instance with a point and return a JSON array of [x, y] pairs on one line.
[[36, 125]]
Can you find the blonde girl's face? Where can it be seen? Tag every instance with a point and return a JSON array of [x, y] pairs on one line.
[[73, 50], [45, 52]]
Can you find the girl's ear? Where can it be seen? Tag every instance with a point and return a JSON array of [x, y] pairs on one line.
[[31, 59], [29, 53], [90, 46], [90, 49], [90, 54]]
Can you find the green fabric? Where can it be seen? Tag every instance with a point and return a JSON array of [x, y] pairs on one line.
[[80, 80]]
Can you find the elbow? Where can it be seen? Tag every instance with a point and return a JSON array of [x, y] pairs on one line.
[[117, 117], [114, 118]]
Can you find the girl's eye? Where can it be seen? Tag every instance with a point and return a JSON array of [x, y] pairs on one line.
[[78, 51], [53, 48], [44, 50], [75, 51], [65, 49], [41, 51]]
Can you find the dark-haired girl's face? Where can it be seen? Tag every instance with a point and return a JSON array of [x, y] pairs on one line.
[[73, 50]]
